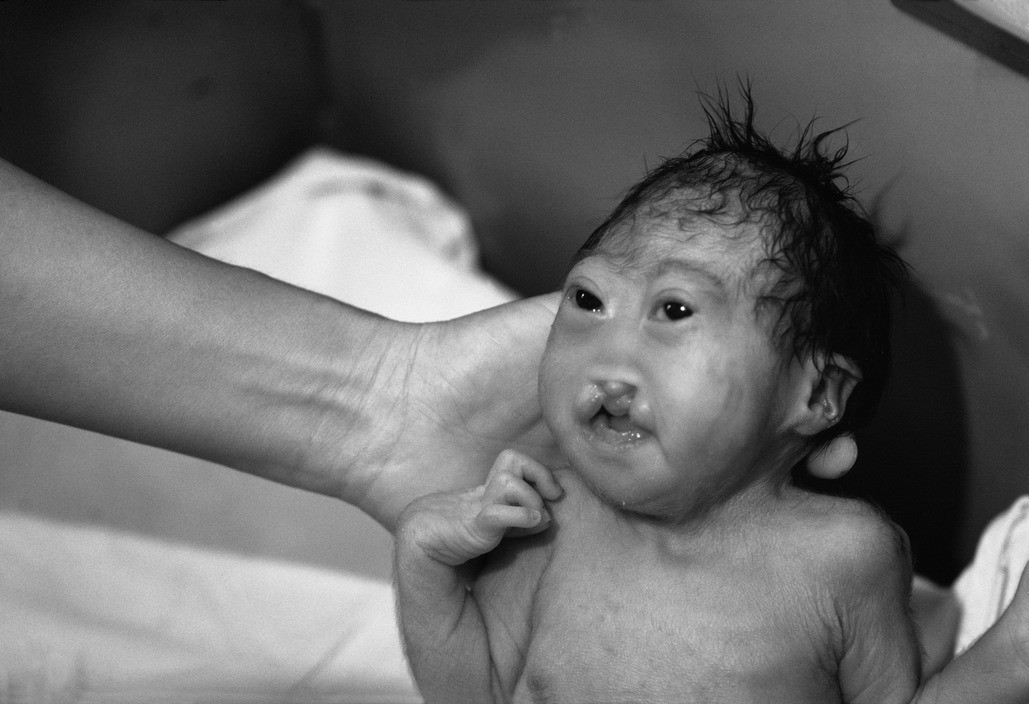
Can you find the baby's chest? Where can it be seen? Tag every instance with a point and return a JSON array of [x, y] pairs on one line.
[[610, 626]]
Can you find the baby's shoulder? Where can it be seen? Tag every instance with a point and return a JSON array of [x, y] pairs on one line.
[[851, 538]]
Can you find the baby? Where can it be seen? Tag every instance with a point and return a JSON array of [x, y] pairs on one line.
[[728, 318]]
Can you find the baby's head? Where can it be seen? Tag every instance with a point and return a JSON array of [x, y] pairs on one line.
[[738, 287]]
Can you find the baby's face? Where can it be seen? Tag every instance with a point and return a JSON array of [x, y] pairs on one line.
[[660, 380]]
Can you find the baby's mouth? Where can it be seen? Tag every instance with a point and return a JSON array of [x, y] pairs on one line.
[[616, 428], [616, 421]]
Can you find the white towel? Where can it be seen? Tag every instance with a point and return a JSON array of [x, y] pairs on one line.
[[986, 586]]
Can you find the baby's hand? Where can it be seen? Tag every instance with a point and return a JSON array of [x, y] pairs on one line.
[[454, 527]]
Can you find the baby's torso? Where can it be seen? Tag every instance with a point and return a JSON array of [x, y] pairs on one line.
[[611, 617]]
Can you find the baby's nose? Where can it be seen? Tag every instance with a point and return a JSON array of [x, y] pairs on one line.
[[618, 396]]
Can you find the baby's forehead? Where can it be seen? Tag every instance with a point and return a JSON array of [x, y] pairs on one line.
[[734, 251]]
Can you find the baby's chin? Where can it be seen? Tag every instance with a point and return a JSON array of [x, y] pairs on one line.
[[620, 488], [646, 493], [651, 509]]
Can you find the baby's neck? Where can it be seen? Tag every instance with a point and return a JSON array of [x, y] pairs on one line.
[[752, 504]]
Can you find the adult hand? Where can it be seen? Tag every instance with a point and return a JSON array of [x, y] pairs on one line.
[[451, 396], [123, 333], [448, 399]]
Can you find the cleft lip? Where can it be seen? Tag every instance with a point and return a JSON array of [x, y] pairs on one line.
[[617, 406], [589, 403], [621, 430], [621, 420]]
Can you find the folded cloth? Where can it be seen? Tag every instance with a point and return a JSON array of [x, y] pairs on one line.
[[986, 586], [358, 231]]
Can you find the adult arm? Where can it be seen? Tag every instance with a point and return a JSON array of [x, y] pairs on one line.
[[114, 330], [111, 329], [994, 669]]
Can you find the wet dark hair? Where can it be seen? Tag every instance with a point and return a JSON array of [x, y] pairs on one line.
[[836, 279]]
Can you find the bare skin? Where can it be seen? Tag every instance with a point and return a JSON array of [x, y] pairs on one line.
[[114, 330], [605, 606], [121, 332], [757, 591], [669, 558], [124, 333], [682, 565]]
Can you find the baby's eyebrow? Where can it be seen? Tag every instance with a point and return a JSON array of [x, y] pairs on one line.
[[692, 268]]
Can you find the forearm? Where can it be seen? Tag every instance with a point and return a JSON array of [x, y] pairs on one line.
[[993, 671], [937, 613], [443, 630], [110, 329]]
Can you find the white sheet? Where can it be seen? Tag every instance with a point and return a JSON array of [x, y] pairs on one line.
[[95, 615]]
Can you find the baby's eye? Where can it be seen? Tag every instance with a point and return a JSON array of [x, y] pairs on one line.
[[676, 310], [587, 301]]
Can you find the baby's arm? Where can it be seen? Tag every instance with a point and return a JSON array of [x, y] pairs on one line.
[[443, 628], [880, 656]]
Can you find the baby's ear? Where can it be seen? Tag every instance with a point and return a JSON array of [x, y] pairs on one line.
[[828, 383]]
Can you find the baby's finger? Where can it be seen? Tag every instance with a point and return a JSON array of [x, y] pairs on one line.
[[532, 471], [510, 489], [500, 517], [542, 478]]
